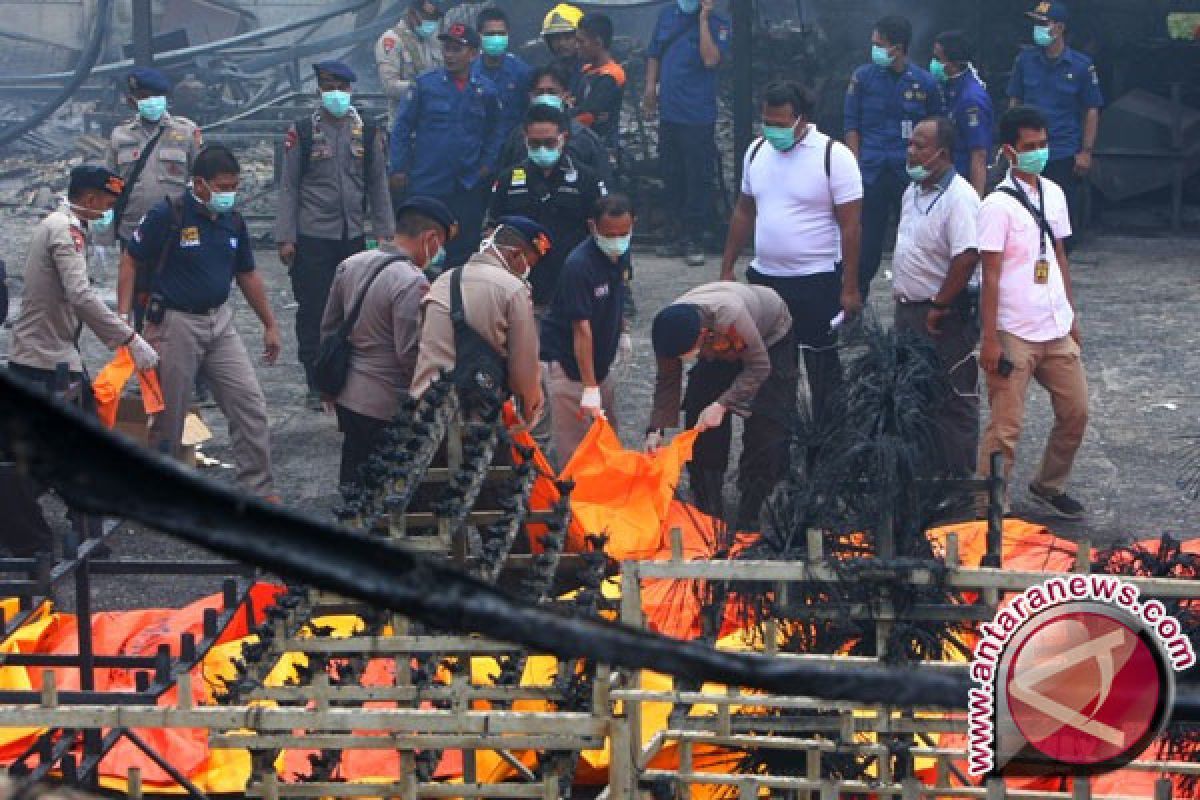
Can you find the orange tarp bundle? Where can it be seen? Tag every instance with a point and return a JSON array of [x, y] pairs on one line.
[[111, 382], [545, 494], [624, 493]]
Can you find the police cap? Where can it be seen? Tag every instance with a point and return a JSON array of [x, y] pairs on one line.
[[148, 79], [433, 208], [675, 330], [532, 232], [463, 34], [1050, 12], [335, 69], [94, 176]]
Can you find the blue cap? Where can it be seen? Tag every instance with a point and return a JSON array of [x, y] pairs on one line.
[[335, 69], [1050, 11], [148, 79], [433, 208], [95, 176], [534, 234], [675, 330]]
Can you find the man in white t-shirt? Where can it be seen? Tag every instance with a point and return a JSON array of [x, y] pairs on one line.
[[802, 199], [936, 253], [1029, 327]]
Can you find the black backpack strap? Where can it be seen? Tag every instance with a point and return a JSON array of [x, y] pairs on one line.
[[457, 315], [348, 325], [304, 134], [171, 240], [134, 174], [1042, 222], [755, 146], [370, 131], [829, 159]]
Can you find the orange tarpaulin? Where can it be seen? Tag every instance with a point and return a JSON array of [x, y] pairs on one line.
[[544, 494], [624, 493], [111, 382]]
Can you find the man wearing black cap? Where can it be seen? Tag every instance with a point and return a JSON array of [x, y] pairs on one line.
[[447, 138], [386, 286], [153, 152], [742, 338], [334, 172], [1061, 83], [498, 342], [409, 49], [59, 298]]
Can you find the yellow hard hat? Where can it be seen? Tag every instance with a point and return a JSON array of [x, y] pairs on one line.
[[563, 18]]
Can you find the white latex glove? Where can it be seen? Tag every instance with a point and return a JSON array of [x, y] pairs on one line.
[[625, 349], [711, 417], [144, 356], [654, 440], [590, 404]]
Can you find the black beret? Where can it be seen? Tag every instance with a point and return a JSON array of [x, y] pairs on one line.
[[433, 208], [335, 69], [463, 34], [148, 79], [91, 176], [533, 232]]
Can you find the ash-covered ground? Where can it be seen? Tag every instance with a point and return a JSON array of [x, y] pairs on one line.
[[1137, 297]]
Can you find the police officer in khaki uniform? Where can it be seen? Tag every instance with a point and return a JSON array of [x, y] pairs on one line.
[[409, 49], [165, 146], [387, 286], [334, 171], [59, 299], [195, 248], [499, 336]]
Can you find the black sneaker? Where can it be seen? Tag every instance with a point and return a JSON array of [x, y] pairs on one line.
[[1060, 504]]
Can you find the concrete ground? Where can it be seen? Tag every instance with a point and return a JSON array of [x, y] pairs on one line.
[[1137, 298]]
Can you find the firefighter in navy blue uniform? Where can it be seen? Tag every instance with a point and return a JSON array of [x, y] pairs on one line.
[[1061, 83], [687, 46], [884, 102], [334, 172], [551, 189], [511, 75], [447, 139], [967, 104]]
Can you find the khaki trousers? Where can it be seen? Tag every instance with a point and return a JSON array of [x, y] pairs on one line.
[[567, 426], [209, 344], [1055, 365]]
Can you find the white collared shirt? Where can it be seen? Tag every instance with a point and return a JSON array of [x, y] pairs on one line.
[[936, 225], [796, 232], [1036, 312]]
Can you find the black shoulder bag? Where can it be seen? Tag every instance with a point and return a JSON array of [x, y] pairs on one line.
[[480, 373], [333, 358], [138, 168]]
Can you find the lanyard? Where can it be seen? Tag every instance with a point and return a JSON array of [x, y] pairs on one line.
[[1041, 212], [917, 202]]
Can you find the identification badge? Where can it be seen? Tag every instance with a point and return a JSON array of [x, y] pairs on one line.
[[1041, 271], [189, 237], [906, 128]]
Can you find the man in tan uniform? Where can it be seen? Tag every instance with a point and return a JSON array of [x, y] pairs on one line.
[[334, 174], [496, 342], [165, 145], [386, 286], [742, 337], [408, 49], [59, 299]]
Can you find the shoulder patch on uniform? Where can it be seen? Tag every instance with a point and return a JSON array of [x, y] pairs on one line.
[[518, 177], [291, 140], [389, 42], [78, 238]]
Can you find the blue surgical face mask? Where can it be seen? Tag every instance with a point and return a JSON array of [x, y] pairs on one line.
[[1042, 36], [689, 6], [613, 246], [545, 157], [426, 28], [782, 139], [152, 109], [1033, 161], [880, 56], [552, 100], [495, 44], [336, 102], [102, 223], [222, 202], [938, 70]]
